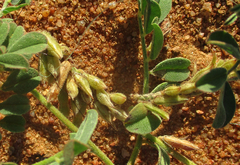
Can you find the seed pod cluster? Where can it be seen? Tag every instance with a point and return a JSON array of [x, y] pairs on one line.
[[82, 88]]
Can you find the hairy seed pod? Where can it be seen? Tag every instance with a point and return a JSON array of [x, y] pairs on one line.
[[87, 99], [178, 143], [172, 90], [137, 113], [188, 88], [64, 69], [82, 82], [72, 87], [104, 112], [43, 72], [53, 65], [169, 100], [54, 49], [103, 98], [96, 82], [157, 110], [65, 50], [118, 113], [118, 98]]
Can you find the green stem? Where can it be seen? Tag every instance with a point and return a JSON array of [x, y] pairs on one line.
[[70, 125], [168, 149], [145, 85], [135, 150], [50, 160]]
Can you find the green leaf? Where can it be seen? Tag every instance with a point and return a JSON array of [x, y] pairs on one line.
[[225, 41], [13, 123], [12, 28], [166, 6], [176, 75], [160, 87], [144, 126], [231, 19], [235, 8], [152, 10], [13, 8], [213, 80], [4, 29], [137, 113], [163, 158], [3, 49], [17, 34], [30, 43], [15, 105], [71, 149], [87, 127], [172, 63], [21, 81], [14, 61], [157, 111], [63, 101], [157, 41], [226, 107]]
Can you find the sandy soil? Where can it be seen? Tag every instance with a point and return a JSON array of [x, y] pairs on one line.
[[111, 50]]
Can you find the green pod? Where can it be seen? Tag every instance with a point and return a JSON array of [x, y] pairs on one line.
[[188, 88], [137, 113], [103, 112], [96, 82], [157, 111], [103, 98], [46, 76], [53, 65], [72, 88], [118, 113], [169, 100], [118, 98], [172, 90], [82, 82], [79, 108], [54, 49], [87, 99]]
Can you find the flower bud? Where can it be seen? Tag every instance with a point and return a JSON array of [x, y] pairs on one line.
[[65, 50], [157, 111], [118, 98], [72, 88], [169, 100], [172, 90], [82, 82], [104, 98], [178, 143], [54, 49]]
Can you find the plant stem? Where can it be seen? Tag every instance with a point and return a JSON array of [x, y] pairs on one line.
[[168, 149], [135, 150], [70, 125], [145, 58], [145, 85], [50, 160]]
